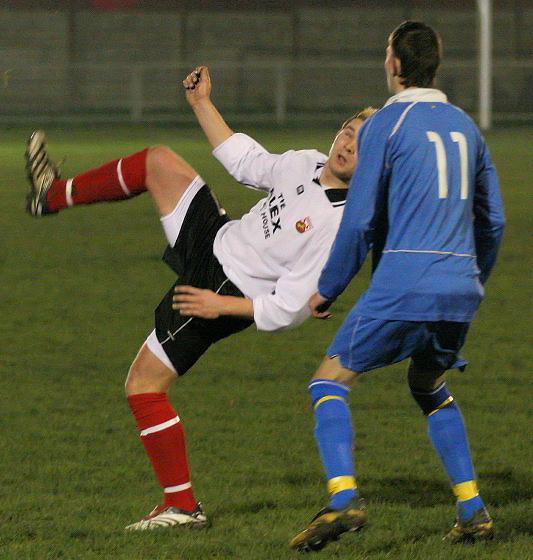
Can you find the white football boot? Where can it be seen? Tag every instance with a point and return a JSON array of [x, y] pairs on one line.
[[164, 516]]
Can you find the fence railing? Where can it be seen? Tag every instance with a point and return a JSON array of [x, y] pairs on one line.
[[274, 91]]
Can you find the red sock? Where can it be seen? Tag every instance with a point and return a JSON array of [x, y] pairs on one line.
[[116, 180], [163, 438]]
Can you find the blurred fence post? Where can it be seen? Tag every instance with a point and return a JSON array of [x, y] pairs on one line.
[[136, 93], [485, 63], [281, 93]]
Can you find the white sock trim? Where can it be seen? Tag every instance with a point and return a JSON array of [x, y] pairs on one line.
[[160, 427], [329, 382], [179, 488], [68, 193], [121, 179]]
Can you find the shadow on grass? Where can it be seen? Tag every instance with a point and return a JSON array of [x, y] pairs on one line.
[[498, 488], [410, 490], [506, 486], [523, 527]]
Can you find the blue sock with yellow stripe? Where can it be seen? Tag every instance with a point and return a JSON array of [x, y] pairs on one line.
[[334, 437], [446, 429]]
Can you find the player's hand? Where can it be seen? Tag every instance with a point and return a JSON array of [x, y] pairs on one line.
[[196, 302], [319, 306], [197, 85]]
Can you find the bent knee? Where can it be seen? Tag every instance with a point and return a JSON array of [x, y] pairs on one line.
[[161, 160], [135, 381], [159, 155], [424, 380], [148, 375], [332, 370]]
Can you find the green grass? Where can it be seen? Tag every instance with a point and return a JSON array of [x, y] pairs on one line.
[[78, 292]]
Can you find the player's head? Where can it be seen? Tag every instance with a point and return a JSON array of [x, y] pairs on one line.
[[359, 116], [343, 152], [413, 55]]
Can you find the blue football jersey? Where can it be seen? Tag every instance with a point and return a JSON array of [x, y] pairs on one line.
[[425, 196]]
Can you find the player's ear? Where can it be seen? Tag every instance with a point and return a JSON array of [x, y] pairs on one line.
[[396, 66], [391, 65]]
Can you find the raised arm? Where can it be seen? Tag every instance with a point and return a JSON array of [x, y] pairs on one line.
[[198, 89]]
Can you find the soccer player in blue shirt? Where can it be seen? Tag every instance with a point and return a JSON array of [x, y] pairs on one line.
[[425, 197]]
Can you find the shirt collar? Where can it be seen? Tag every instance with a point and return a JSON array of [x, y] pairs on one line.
[[410, 95], [336, 196]]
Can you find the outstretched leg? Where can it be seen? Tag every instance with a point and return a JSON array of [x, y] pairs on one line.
[[156, 169]]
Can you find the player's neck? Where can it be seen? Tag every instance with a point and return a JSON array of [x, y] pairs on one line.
[[329, 180], [396, 86]]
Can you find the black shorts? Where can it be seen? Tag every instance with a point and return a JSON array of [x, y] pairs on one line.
[[184, 339]]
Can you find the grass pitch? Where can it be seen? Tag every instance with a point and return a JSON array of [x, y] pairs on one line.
[[77, 296]]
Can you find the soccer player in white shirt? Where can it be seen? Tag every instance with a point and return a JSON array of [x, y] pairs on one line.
[[262, 268]]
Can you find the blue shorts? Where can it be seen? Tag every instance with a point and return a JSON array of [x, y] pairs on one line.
[[363, 343]]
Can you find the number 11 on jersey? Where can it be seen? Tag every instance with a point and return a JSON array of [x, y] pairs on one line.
[[460, 139]]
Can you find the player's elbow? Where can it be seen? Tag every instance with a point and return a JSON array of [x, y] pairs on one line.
[[277, 319]]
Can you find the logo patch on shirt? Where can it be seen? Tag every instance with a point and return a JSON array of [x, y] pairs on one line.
[[304, 225]]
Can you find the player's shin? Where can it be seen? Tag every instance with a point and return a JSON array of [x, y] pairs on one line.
[[163, 438], [446, 429], [117, 180], [334, 437]]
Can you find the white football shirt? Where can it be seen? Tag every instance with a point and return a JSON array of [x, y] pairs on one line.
[[274, 254]]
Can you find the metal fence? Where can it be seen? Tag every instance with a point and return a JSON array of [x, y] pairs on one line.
[[274, 91], [301, 61]]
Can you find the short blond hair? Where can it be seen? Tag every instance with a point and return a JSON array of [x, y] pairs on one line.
[[360, 116]]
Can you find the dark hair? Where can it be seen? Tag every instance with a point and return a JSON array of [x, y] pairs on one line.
[[418, 47]]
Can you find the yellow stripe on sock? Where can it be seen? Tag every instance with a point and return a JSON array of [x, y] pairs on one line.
[[465, 490], [327, 398], [340, 483], [447, 401]]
